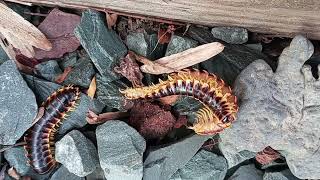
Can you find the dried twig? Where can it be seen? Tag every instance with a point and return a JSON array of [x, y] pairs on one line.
[[59, 79], [93, 118], [11, 146], [180, 60]]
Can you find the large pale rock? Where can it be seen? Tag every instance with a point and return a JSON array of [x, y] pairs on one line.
[[280, 109]]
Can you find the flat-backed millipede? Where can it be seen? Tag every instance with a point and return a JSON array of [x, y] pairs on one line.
[[40, 137], [220, 106]]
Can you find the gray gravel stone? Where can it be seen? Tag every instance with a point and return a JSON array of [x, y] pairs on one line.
[[232, 35], [108, 92], [97, 174], [49, 70], [247, 172], [280, 110], [205, 166], [17, 159], [162, 163], [17, 102], [77, 153], [82, 73], [282, 175], [120, 149], [144, 44], [235, 158], [178, 44], [3, 56], [63, 174], [103, 45]]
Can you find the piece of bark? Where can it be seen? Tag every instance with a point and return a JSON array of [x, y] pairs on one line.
[[181, 60], [63, 76], [93, 118], [21, 33]]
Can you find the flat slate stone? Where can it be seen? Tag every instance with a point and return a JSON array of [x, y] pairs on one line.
[[232, 35], [162, 163], [178, 44], [77, 153], [103, 45], [247, 172], [282, 175], [18, 104], [204, 165], [120, 149], [49, 70]]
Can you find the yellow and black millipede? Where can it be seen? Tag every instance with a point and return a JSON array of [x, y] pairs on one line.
[[220, 105], [40, 137]]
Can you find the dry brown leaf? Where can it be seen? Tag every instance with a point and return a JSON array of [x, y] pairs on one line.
[[21, 33], [181, 60], [92, 88], [111, 19], [13, 173]]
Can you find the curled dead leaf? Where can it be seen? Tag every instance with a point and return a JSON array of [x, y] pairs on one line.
[[21, 33], [111, 19], [181, 60], [92, 88]]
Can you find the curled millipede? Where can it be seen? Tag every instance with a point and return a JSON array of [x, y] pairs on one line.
[[40, 137], [220, 105]]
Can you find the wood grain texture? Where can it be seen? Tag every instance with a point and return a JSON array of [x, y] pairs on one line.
[[281, 17]]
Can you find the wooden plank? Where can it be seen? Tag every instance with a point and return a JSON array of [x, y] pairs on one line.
[[280, 17]]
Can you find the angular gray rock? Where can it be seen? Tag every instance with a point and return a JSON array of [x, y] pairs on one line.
[[178, 44], [97, 174], [81, 74], [77, 153], [108, 92], [145, 44], [17, 159], [103, 45], [232, 35], [233, 158], [18, 104], [120, 149], [162, 163], [280, 110], [49, 70], [282, 175], [63, 174], [3, 56], [247, 172], [204, 165]]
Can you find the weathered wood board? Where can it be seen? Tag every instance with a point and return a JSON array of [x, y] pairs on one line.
[[282, 17]]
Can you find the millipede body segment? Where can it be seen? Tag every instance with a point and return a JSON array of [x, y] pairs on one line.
[[220, 105], [40, 137]]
